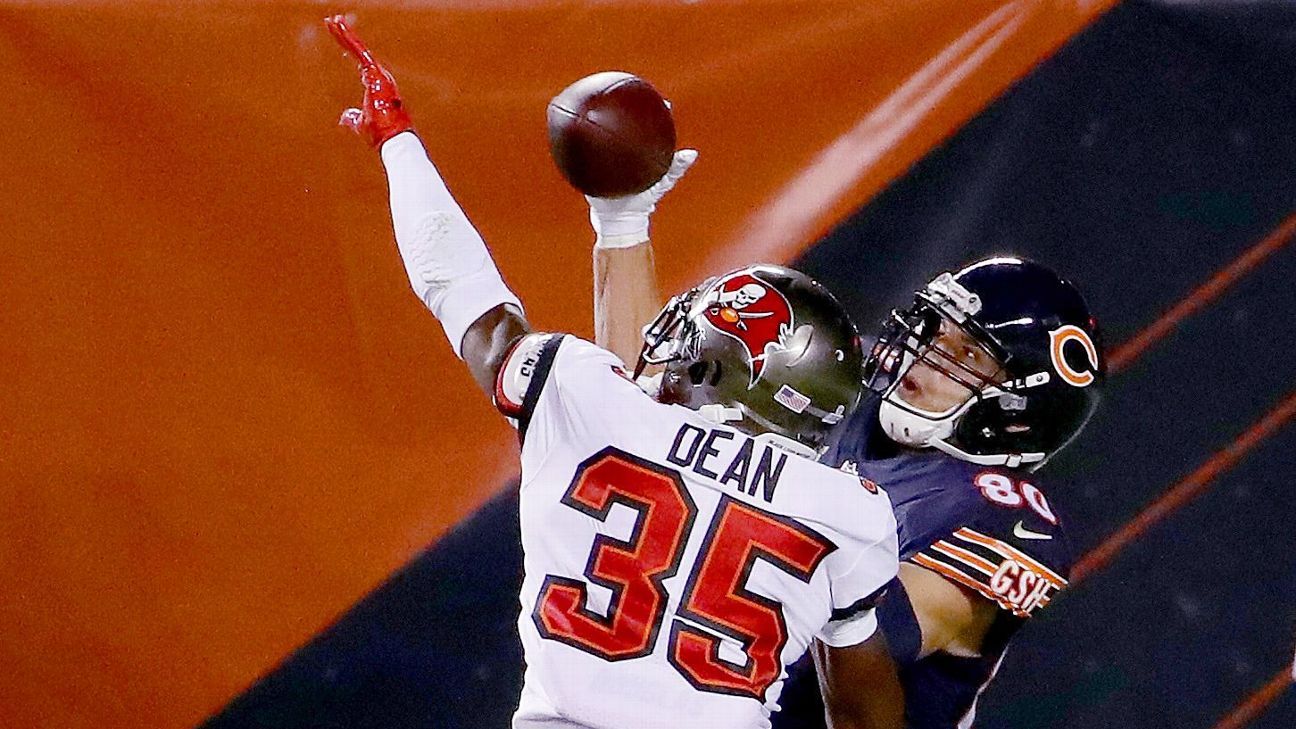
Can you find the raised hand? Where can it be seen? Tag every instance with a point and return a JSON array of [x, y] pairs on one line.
[[382, 114], [621, 222]]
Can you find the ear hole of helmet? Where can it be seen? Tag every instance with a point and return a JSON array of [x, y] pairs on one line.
[[705, 373], [697, 372]]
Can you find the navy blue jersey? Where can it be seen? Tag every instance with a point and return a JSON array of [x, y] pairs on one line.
[[991, 530]]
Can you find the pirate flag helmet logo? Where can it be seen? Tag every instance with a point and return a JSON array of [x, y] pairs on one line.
[[767, 344], [753, 312]]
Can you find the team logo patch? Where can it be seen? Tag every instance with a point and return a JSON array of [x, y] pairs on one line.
[[869, 485], [1058, 339], [754, 313]]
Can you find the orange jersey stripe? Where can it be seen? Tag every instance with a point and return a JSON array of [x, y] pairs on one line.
[[966, 557], [968, 582], [1007, 551]]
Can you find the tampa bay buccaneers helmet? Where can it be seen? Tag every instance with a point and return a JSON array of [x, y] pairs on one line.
[[765, 347], [1038, 330]]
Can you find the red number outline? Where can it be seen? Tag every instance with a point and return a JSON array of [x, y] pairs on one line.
[[561, 614], [715, 596], [695, 652]]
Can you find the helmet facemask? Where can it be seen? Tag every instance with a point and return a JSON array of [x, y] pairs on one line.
[[672, 335], [939, 334], [1024, 402]]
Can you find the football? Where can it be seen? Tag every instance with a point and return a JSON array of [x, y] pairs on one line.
[[611, 134]]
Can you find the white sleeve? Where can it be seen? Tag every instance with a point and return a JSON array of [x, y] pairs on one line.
[[857, 590], [850, 631], [446, 260]]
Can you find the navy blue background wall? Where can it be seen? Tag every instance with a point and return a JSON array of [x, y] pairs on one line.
[[1152, 150]]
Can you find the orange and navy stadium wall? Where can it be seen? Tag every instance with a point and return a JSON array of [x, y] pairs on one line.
[[246, 483]]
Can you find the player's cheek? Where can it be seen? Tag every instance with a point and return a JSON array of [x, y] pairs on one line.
[[935, 391]]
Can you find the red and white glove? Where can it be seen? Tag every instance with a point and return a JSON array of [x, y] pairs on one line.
[[621, 222], [383, 114]]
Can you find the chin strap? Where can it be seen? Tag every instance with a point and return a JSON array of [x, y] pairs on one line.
[[1011, 460], [650, 384], [719, 414], [941, 425]]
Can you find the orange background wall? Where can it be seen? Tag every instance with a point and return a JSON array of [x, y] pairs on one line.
[[223, 415]]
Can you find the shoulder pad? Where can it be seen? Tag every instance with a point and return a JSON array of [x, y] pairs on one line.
[[1001, 539], [516, 374]]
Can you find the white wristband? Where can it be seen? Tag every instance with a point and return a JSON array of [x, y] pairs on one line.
[[619, 230], [622, 222], [620, 241]]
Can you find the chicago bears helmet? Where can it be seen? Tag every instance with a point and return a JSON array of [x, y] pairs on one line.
[[764, 347], [1048, 364]]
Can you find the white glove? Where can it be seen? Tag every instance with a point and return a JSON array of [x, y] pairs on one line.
[[621, 222]]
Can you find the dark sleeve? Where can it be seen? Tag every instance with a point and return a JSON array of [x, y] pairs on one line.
[[899, 624], [1000, 539]]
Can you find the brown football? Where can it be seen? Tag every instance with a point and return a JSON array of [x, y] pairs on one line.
[[611, 134]]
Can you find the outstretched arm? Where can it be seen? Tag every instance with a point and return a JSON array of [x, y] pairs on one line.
[[626, 297], [449, 266]]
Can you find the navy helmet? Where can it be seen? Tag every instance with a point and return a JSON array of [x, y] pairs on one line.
[[1047, 351]]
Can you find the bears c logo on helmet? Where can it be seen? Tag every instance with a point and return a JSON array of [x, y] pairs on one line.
[[1058, 340], [754, 313]]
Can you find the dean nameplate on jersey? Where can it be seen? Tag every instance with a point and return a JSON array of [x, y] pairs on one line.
[[730, 458]]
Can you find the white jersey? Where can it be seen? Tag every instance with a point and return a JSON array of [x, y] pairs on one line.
[[674, 567]]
